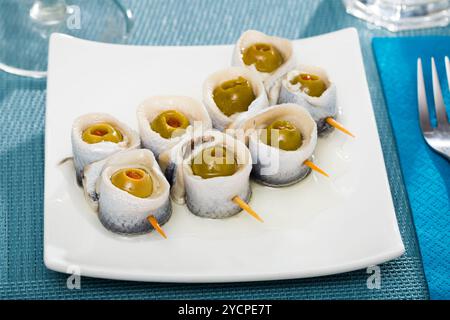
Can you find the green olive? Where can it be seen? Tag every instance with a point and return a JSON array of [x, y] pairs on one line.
[[265, 57], [311, 84], [134, 181], [234, 96], [284, 134], [214, 162], [100, 132], [170, 123]]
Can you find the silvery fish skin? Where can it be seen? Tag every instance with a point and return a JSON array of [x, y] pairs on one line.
[[153, 106], [321, 107], [123, 213], [272, 166], [221, 121], [91, 176], [209, 198], [271, 80], [85, 154]]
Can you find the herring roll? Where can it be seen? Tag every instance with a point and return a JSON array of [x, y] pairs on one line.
[[311, 88], [95, 136], [270, 57], [280, 138], [164, 120], [171, 160], [231, 94], [209, 171], [131, 188]]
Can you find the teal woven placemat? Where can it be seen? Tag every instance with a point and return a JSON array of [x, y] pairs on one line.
[[22, 108]]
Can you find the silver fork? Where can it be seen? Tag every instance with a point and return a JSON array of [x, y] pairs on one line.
[[438, 138]]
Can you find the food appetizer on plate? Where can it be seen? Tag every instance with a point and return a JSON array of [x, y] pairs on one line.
[[189, 162], [133, 194], [270, 57], [164, 120], [231, 94], [210, 172], [281, 140], [95, 136], [311, 88]]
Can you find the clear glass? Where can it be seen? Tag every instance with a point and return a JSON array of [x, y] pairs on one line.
[[399, 15], [26, 26]]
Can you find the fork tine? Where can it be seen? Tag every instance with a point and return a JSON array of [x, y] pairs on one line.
[[447, 68], [441, 113], [424, 117]]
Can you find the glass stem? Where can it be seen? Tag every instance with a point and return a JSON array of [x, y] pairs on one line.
[[48, 12]]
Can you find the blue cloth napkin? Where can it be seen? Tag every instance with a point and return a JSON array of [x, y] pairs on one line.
[[426, 174]]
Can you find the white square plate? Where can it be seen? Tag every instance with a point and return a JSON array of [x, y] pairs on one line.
[[316, 227]]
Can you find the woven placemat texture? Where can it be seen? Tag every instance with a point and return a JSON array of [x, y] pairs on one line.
[[194, 22]]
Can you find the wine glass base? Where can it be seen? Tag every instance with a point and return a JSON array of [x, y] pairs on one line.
[[395, 15], [25, 29]]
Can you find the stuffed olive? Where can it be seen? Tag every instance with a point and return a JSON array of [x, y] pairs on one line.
[[233, 96], [170, 123], [266, 57], [283, 134], [135, 181], [214, 162], [102, 132], [311, 84]]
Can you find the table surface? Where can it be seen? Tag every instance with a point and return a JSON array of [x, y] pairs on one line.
[[196, 22]]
